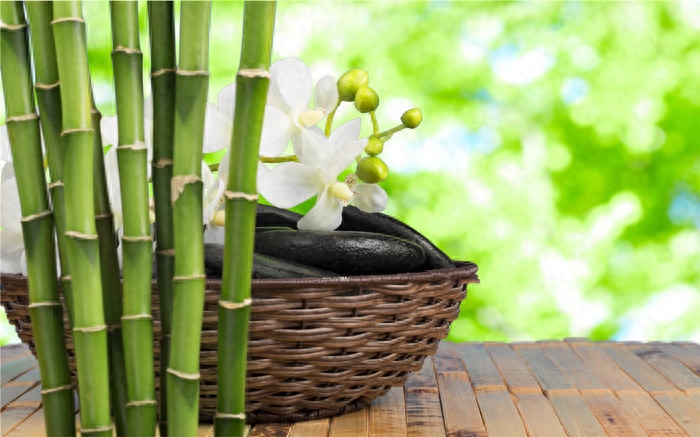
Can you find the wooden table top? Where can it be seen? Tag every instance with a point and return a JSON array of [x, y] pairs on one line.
[[555, 388]]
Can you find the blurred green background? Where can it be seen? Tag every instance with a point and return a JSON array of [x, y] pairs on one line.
[[560, 148]]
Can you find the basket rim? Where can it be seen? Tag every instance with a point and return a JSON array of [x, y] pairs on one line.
[[463, 269]]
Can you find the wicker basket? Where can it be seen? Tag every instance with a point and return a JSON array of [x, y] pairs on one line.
[[318, 347]]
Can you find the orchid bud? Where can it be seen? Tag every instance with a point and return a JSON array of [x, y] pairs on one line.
[[412, 118], [366, 99], [372, 170], [350, 82], [374, 146]]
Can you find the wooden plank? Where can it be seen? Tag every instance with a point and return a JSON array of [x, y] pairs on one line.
[[537, 414], [690, 356], [582, 377], [206, 430], [594, 357], [13, 369], [15, 414], [355, 424], [675, 371], [645, 375], [423, 410], [682, 410], [12, 392], [650, 415], [513, 369], [13, 352], [575, 415], [311, 428], [33, 375], [387, 415], [548, 374], [501, 417], [33, 426], [612, 414], [460, 409], [483, 372], [270, 430]]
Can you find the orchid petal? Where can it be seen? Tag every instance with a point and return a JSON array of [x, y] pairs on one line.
[[292, 80], [214, 234], [326, 214], [346, 132], [311, 147], [226, 100], [109, 130], [5, 151], [326, 94], [290, 183], [217, 130], [276, 132], [343, 157], [148, 108], [222, 173], [11, 252], [370, 197], [10, 213]]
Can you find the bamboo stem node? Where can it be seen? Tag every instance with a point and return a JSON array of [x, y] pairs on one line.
[[137, 317], [139, 145], [44, 304], [18, 118], [136, 239], [225, 416], [96, 328], [38, 215], [55, 184], [191, 72], [163, 162], [103, 216], [166, 252], [68, 19], [57, 389], [80, 236], [113, 327], [12, 27], [235, 305], [141, 403], [47, 86], [177, 184], [127, 50], [66, 278], [76, 130], [162, 72], [188, 278], [253, 73], [184, 375], [85, 431], [239, 195]]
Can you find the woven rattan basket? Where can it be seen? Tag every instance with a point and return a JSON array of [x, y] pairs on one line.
[[318, 347]]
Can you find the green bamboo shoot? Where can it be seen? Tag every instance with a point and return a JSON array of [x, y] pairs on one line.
[[234, 306], [37, 223], [162, 39], [90, 329], [192, 84], [137, 322]]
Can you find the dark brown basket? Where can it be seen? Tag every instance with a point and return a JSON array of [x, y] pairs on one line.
[[318, 347]]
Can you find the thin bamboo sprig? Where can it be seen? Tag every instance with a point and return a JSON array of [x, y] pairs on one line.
[[162, 39], [37, 222], [48, 95], [235, 303], [111, 281], [192, 82], [90, 329], [137, 321]]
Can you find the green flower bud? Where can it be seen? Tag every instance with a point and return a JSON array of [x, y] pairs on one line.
[[350, 82], [372, 170], [412, 118], [374, 146], [366, 99]]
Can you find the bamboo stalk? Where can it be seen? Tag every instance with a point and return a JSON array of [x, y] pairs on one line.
[[37, 222], [234, 307], [111, 281], [162, 39], [137, 322], [90, 330], [186, 194]]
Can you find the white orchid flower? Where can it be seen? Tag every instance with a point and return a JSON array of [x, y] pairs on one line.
[[290, 93], [12, 255], [316, 173]]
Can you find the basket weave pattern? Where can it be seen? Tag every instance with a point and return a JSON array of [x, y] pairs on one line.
[[318, 347]]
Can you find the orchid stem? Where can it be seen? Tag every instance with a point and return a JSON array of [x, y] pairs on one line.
[[375, 125]]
